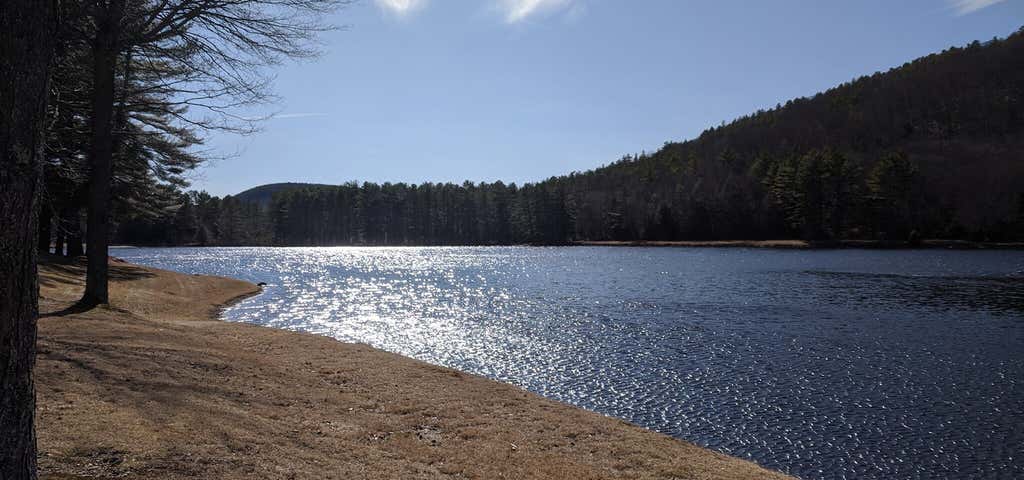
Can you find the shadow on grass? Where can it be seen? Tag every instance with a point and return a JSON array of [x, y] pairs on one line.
[[71, 310], [56, 271]]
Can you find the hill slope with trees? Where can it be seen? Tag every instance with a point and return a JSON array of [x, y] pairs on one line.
[[931, 149], [263, 194]]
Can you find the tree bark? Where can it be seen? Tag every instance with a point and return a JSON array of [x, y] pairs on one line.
[[105, 50], [75, 246], [27, 32], [73, 225], [45, 230], [58, 243]]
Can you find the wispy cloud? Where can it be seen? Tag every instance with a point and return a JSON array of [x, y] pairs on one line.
[[964, 7], [400, 7], [518, 10]]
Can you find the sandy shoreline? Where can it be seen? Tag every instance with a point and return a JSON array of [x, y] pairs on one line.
[[155, 387]]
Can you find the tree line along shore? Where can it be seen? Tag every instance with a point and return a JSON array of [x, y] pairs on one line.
[[927, 150], [804, 244]]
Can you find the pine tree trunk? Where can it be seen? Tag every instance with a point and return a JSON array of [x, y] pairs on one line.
[[45, 230], [58, 243], [105, 49], [27, 30], [73, 224], [75, 245]]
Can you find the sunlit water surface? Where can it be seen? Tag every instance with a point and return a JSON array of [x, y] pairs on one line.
[[823, 364]]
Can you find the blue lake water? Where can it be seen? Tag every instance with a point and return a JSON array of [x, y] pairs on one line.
[[822, 363]]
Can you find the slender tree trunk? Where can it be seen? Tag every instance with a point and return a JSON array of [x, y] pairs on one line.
[[75, 246], [45, 230], [67, 229], [58, 243], [73, 223], [105, 49], [27, 31]]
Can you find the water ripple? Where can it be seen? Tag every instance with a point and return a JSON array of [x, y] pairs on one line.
[[824, 364]]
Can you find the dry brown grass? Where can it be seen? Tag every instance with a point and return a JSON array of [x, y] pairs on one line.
[[154, 387]]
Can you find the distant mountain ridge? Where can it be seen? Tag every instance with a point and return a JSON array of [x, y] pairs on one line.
[[263, 194]]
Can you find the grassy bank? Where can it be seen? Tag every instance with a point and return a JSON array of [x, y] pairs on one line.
[[155, 387]]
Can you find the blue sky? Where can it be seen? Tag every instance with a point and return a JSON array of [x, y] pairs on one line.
[[520, 90]]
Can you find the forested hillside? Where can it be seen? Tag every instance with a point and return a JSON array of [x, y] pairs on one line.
[[931, 149], [263, 194]]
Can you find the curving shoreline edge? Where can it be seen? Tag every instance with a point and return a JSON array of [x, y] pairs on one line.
[[155, 386]]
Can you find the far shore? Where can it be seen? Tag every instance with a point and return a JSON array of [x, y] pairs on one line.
[[765, 244], [156, 386], [804, 244]]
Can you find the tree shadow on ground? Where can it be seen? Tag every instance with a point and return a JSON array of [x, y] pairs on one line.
[[60, 272]]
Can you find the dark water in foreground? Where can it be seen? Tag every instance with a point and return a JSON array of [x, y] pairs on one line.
[[823, 364]]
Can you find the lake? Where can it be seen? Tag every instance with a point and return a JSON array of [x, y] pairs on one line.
[[818, 363]]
